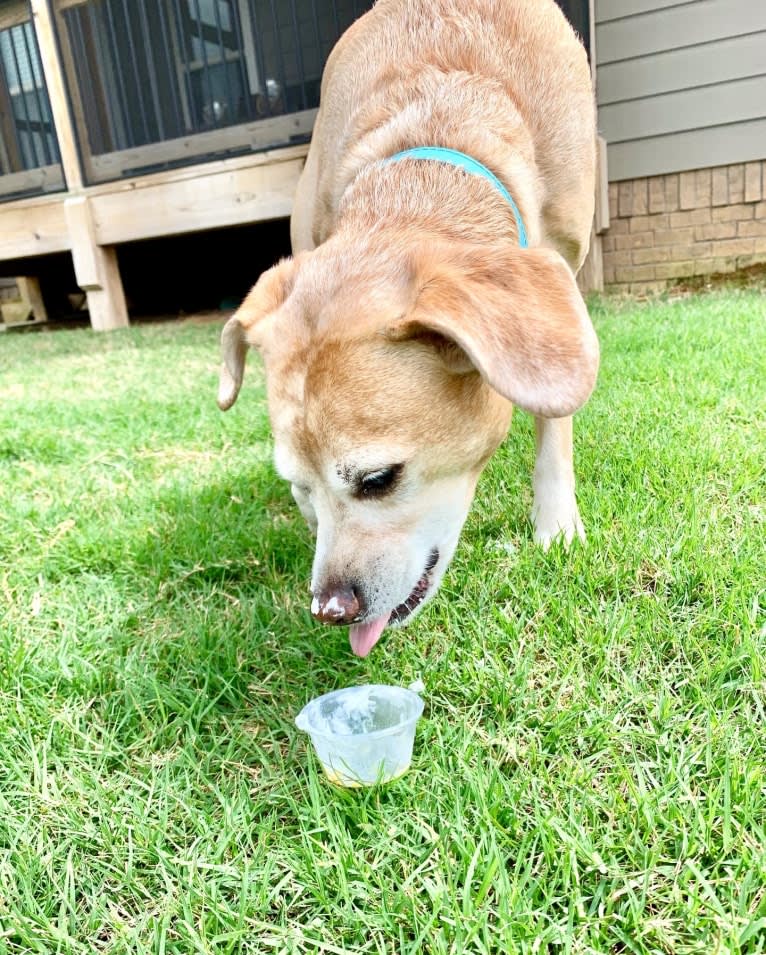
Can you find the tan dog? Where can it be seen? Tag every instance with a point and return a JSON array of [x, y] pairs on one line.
[[410, 319]]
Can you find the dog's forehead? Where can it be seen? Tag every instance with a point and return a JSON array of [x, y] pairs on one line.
[[355, 404], [339, 463]]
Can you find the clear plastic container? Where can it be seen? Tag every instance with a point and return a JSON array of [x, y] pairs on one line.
[[363, 735]]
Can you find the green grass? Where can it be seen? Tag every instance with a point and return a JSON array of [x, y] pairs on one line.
[[590, 772]]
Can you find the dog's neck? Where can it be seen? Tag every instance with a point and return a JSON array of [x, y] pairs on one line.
[[469, 165], [432, 199], [436, 195]]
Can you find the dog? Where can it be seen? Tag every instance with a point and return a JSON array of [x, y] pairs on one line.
[[444, 208]]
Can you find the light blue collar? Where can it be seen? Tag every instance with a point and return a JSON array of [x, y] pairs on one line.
[[455, 158]]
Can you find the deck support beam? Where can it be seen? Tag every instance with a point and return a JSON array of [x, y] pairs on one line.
[[96, 268]]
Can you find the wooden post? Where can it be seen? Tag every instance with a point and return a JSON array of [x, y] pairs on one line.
[[96, 268], [26, 306], [42, 19], [29, 292], [590, 278]]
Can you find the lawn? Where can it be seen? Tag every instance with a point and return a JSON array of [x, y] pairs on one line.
[[590, 771]]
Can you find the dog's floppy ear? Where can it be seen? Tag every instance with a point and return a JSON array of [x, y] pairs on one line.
[[517, 315], [269, 292]]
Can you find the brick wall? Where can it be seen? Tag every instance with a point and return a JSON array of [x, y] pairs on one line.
[[665, 229]]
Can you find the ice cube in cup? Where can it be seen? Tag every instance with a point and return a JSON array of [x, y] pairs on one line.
[[363, 735]]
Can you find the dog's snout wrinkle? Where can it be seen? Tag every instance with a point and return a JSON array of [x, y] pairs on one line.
[[337, 605]]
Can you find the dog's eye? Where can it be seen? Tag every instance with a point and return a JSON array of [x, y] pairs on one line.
[[379, 483]]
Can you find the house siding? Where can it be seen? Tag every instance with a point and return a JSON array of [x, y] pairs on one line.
[[680, 85], [681, 88]]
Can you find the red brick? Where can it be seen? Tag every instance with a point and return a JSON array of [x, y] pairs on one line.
[[691, 251], [690, 217], [733, 246], [687, 190], [635, 273], [714, 266], [672, 192], [620, 257], [716, 230], [736, 183], [671, 236], [661, 253], [720, 186], [649, 223], [638, 240], [675, 270], [619, 226], [657, 194], [625, 198], [612, 200], [703, 188], [736, 212], [641, 197], [753, 191], [751, 227]]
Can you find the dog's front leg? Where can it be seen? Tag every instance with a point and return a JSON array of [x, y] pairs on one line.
[[554, 510]]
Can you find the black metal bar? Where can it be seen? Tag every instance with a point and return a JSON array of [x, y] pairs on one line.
[[18, 149], [22, 96], [137, 86], [166, 34], [299, 54], [45, 120], [336, 19], [183, 46], [222, 45], [280, 58], [205, 65], [261, 55], [317, 35], [100, 72], [84, 79], [244, 78], [123, 136], [150, 60]]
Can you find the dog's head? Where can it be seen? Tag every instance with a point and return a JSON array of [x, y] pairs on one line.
[[391, 378]]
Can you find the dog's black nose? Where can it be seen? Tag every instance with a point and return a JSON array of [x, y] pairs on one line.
[[337, 604]]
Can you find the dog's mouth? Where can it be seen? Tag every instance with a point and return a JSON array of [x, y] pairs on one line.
[[399, 614], [364, 636]]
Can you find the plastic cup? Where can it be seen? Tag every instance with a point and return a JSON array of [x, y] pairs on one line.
[[363, 735]]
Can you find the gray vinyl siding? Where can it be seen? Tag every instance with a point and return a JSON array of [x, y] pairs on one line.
[[680, 85]]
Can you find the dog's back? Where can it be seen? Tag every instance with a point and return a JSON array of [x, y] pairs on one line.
[[506, 81]]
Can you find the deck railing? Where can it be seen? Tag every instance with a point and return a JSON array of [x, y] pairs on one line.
[[161, 83], [29, 154], [155, 84]]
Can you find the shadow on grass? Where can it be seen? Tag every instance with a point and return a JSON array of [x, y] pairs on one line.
[[194, 628]]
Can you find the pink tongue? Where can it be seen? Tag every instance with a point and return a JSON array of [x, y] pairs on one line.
[[364, 636]]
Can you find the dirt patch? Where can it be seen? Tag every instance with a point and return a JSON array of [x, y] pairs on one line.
[[749, 278]]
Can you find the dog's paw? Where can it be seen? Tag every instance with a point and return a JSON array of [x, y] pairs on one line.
[[560, 521]]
